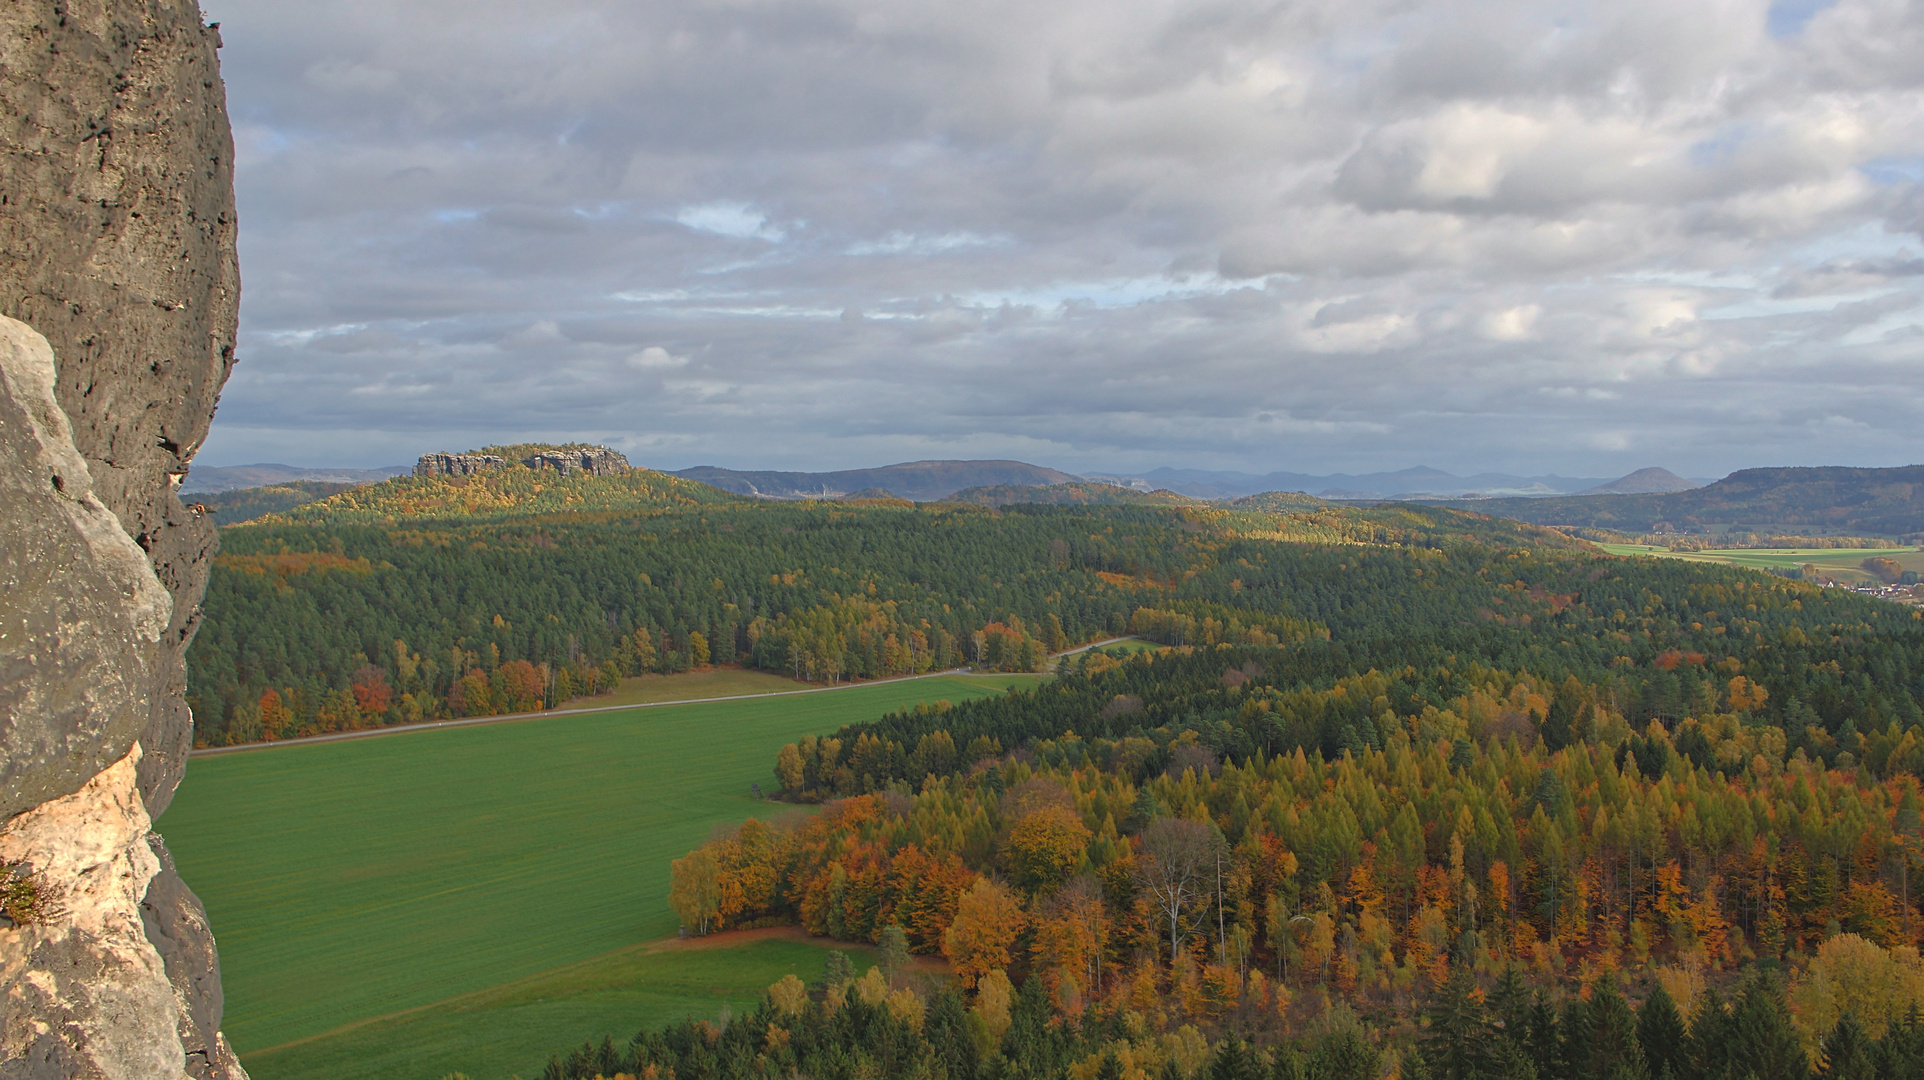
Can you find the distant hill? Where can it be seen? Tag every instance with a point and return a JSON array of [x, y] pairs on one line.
[[246, 504], [920, 481], [204, 479], [1643, 482], [1809, 501], [1279, 502], [1417, 483], [510, 491], [1077, 493]]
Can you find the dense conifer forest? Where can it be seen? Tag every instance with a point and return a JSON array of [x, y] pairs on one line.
[[421, 598]]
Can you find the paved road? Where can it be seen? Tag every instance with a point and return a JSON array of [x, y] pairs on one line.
[[435, 725]]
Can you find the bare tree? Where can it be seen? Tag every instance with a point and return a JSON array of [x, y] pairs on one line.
[[1175, 863]]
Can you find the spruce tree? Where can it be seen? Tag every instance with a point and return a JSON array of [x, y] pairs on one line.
[[1762, 1040], [1710, 1038], [1457, 1045], [1662, 1036], [1614, 1049], [1846, 1052]]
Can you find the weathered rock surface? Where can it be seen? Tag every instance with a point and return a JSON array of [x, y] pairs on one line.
[[176, 925], [81, 613], [116, 243], [595, 460], [86, 994], [445, 464]]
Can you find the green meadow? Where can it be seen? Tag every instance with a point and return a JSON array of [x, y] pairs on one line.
[[1844, 564], [474, 899]]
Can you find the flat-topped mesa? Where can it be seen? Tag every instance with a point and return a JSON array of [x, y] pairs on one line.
[[456, 464], [593, 460]]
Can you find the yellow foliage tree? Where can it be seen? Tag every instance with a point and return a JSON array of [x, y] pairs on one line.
[[1852, 975], [789, 996], [694, 889], [988, 920], [993, 995], [1045, 846]]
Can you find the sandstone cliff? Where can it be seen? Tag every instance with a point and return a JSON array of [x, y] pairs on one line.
[[446, 464], [116, 244], [594, 460]]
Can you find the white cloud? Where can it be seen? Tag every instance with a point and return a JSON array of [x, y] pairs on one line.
[[1512, 324], [739, 220], [654, 357]]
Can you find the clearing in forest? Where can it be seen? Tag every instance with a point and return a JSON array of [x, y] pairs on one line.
[[476, 898]]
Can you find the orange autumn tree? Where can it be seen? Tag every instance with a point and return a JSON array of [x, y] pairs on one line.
[[1070, 932], [274, 715], [988, 921], [372, 695]]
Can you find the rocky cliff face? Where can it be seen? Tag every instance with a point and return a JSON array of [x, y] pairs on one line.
[[117, 247], [456, 464], [595, 460]]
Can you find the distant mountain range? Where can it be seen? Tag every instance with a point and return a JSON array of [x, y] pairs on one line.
[[929, 481], [206, 479], [919, 481], [1404, 484], [1804, 501]]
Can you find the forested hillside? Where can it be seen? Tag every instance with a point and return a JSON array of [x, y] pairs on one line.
[[245, 504], [328, 623], [1080, 493], [1392, 764], [1813, 501], [1436, 847]]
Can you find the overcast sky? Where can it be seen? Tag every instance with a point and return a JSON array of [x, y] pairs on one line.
[[1103, 235]]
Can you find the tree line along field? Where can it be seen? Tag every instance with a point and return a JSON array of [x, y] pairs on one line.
[[486, 889]]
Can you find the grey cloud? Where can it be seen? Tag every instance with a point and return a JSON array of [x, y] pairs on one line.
[[1220, 233]]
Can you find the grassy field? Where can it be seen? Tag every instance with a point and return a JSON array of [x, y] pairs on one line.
[[1844, 564], [706, 683], [1130, 647], [476, 898]]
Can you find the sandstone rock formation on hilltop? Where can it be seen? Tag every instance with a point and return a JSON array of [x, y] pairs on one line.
[[445, 464], [117, 246], [594, 460]]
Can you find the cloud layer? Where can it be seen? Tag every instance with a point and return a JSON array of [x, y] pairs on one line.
[[1104, 235]]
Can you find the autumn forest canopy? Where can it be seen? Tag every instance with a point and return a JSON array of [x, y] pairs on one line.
[[1403, 788]]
